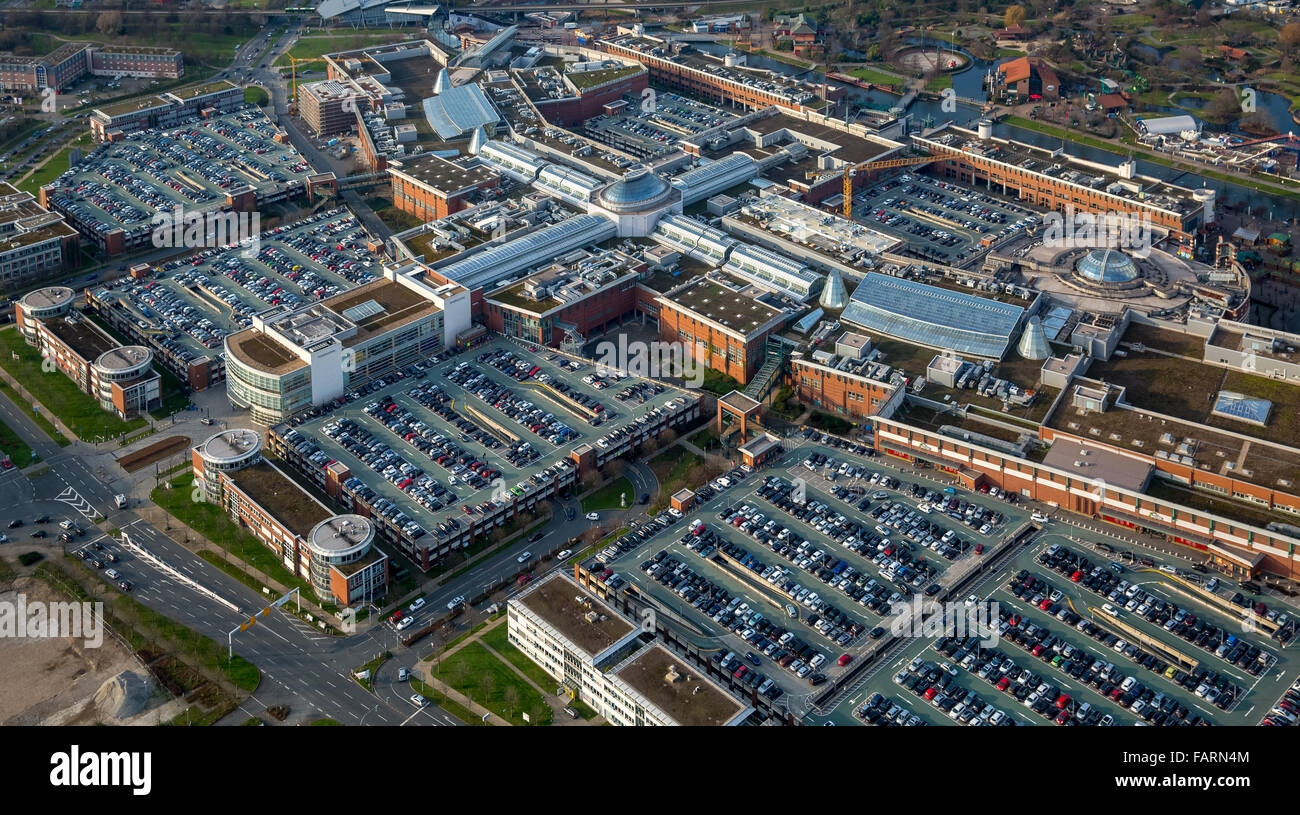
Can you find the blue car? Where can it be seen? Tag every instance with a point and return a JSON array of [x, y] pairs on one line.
[[753, 657]]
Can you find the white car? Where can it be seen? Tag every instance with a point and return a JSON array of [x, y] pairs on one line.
[[563, 553], [111, 574], [418, 700], [455, 601], [417, 605], [524, 557], [592, 516], [404, 623]]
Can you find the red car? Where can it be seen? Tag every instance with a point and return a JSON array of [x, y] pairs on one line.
[[979, 548], [1074, 578], [1063, 701], [741, 671], [844, 659], [1004, 683], [395, 616], [930, 693]]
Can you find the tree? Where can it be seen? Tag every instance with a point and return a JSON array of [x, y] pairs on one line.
[[1223, 106], [109, 22], [1289, 37], [1015, 16]]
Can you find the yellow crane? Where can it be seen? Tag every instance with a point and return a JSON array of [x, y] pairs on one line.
[[293, 80], [851, 170]]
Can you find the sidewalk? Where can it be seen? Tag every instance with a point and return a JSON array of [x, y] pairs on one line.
[[424, 669]]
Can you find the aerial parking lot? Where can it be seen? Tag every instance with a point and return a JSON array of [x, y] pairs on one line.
[[791, 574], [121, 184], [446, 443], [941, 221], [805, 587], [195, 301]]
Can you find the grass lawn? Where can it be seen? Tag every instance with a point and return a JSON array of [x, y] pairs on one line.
[[47, 172], [451, 706], [475, 672], [498, 640], [256, 96], [42, 421], [210, 522], [56, 392], [312, 46], [608, 497], [878, 77], [14, 447]]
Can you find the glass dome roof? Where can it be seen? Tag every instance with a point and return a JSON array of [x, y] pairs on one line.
[[637, 189], [1107, 266]]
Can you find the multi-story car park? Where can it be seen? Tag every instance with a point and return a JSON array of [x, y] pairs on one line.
[[238, 161], [438, 457], [35, 243], [183, 309], [1053, 636], [114, 121], [1046, 179]]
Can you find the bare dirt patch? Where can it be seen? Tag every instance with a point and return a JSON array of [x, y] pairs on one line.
[[157, 451], [63, 681]]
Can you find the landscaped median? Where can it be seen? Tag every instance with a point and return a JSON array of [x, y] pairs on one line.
[[78, 411], [610, 496]]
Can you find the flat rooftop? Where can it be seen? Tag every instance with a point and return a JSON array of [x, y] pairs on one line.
[[729, 307], [1099, 463], [81, 336], [267, 354], [1186, 387], [850, 147], [1209, 450], [442, 175], [691, 699], [567, 608], [281, 497], [50, 296], [399, 305]]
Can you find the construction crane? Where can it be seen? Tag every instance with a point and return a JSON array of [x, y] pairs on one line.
[[853, 169], [293, 81]]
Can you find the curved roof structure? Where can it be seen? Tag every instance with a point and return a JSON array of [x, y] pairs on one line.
[[528, 251], [1107, 266], [932, 316], [638, 189], [459, 110]]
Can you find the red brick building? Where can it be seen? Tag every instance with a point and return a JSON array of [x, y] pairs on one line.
[[728, 322], [430, 187]]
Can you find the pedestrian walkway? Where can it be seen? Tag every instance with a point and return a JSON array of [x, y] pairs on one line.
[[557, 704]]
